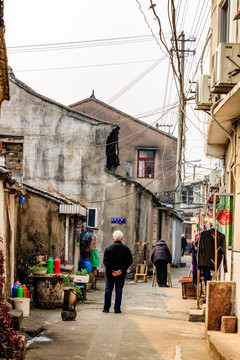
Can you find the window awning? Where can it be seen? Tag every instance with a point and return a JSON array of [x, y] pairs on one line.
[[72, 209]]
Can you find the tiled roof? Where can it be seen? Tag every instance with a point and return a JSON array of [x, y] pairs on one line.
[[93, 98], [72, 112], [52, 195]]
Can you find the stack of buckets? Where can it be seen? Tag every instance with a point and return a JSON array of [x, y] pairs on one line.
[[20, 294], [21, 300]]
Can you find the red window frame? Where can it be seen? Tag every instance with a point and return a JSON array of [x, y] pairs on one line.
[[142, 164]]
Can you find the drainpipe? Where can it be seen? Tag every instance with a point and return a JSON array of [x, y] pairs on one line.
[[13, 245], [66, 237]]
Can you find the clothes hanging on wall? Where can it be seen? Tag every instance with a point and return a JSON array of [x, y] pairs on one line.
[[206, 250]]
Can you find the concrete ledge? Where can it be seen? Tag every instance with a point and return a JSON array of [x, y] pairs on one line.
[[197, 315], [224, 346]]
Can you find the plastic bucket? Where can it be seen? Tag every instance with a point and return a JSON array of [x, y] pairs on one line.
[[22, 304], [21, 200]]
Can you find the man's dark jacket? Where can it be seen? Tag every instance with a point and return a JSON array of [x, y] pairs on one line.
[[117, 257], [161, 252]]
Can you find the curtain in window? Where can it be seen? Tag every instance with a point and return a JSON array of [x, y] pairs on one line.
[[141, 168]]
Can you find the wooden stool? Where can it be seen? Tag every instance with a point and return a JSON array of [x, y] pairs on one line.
[[188, 289], [169, 278], [154, 278]]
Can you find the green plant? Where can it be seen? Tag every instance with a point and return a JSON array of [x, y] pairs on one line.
[[67, 280], [38, 267], [62, 257], [11, 344], [78, 292], [24, 271], [29, 258], [82, 272], [38, 250]]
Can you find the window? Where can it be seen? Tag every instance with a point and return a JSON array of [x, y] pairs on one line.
[[11, 154], [225, 23], [129, 169], [145, 165]]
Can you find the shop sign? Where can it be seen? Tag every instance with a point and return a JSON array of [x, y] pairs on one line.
[[224, 215]]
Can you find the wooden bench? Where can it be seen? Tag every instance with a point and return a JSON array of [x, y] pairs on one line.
[[141, 271]]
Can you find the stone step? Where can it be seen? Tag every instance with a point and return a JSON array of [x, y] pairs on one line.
[[17, 319]]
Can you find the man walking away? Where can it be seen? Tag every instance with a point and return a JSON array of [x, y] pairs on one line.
[[117, 259], [161, 256], [183, 244]]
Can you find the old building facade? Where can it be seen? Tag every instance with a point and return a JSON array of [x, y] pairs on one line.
[[223, 124], [146, 154], [51, 147]]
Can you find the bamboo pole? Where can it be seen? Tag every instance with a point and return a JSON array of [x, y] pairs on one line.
[[198, 270], [215, 236]]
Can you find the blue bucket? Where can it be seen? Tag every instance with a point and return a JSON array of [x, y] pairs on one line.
[[21, 200]]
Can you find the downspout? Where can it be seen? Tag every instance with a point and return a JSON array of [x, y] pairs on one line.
[[66, 237], [227, 134]]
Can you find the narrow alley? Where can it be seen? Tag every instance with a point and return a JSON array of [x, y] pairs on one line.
[[153, 325]]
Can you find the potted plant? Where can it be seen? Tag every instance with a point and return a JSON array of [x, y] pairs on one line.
[[38, 270], [81, 276], [78, 293]]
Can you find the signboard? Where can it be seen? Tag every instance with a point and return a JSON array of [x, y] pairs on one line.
[[224, 215], [118, 220]]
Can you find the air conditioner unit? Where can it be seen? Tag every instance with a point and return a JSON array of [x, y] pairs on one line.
[[92, 218], [214, 178], [203, 96], [225, 68]]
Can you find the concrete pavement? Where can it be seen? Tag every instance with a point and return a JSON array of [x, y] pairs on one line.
[[153, 325]]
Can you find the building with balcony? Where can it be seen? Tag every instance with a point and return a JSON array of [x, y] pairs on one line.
[[224, 122]]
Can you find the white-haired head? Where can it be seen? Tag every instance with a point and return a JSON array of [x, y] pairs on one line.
[[117, 235]]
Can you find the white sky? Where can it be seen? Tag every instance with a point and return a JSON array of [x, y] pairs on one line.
[[30, 22]]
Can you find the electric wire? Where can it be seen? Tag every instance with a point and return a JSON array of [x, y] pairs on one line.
[[85, 66], [80, 44]]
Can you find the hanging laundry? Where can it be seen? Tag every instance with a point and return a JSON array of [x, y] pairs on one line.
[[206, 250]]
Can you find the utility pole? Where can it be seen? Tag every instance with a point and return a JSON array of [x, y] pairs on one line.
[[181, 120]]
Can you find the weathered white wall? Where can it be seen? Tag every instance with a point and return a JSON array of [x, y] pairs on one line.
[[177, 241], [8, 232], [236, 278], [66, 150]]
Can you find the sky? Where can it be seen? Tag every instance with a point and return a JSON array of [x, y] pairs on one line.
[[66, 49]]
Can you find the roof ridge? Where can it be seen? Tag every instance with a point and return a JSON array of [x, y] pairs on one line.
[[93, 98]]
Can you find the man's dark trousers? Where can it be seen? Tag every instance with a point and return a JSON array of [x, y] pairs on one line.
[[161, 268], [119, 283]]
